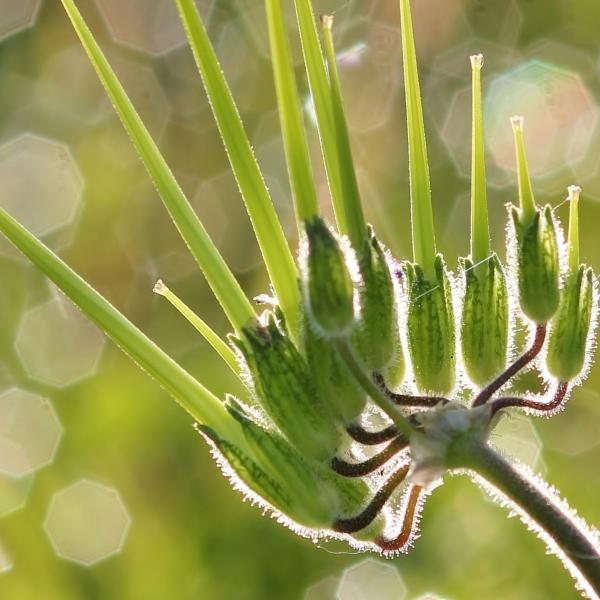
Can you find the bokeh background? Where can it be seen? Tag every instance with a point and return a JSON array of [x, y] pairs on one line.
[[106, 491]]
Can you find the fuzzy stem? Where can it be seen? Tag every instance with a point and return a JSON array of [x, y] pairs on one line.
[[378, 397], [564, 532]]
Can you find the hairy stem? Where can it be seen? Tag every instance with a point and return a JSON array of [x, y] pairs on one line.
[[535, 405], [518, 365], [564, 533], [348, 469], [407, 399], [371, 438]]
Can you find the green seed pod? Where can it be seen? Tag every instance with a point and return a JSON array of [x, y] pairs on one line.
[[570, 327], [328, 286], [537, 264], [336, 386], [431, 335], [254, 476], [283, 386], [377, 339], [484, 326], [276, 456]]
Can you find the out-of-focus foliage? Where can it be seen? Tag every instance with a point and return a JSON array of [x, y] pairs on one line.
[[188, 535]]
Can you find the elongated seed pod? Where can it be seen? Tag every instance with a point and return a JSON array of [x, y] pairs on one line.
[[283, 386], [537, 264], [484, 323], [431, 335]]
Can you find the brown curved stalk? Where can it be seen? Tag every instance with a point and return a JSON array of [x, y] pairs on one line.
[[348, 469], [408, 523], [367, 516], [516, 402], [518, 365]]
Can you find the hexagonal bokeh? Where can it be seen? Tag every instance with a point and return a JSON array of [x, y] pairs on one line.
[[369, 73], [41, 185], [560, 116], [322, 590], [87, 522], [580, 435], [153, 31], [13, 493], [371, 579], [57, 345], [516, 436], [29, 432], [6, 563], [17, 15]]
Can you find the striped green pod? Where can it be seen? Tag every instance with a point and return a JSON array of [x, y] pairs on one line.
[[431, 331], [340, 393], [570, 326], [484, 323], [297, 474], [538, 264], [256, 478], [328, 286], [377, 339], [283, 385]]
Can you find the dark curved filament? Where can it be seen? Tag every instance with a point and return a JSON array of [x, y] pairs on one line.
[[408, 523], [367, 516], [371, 438], [406, 399], [518, 365], [516, 402], [348, 469]]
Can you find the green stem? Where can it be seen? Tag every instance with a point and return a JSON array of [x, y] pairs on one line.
[[290, 116], [480, 231], [423, 234], [227, 290], [363, 379], [316, 72], [191, 395], [565, 532], [355, 220], [574, 192], [269, 234], [224, 351]]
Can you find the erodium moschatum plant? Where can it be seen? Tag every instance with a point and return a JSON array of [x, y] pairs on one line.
[[369, 378]]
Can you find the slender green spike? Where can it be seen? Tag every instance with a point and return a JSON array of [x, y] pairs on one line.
[[321, 96], [480, 230], [228, 292], [197, 400], [269, 234], [423, 233], [526, 199], [224, 351], [574, 193], [355, 220], [290, 114]]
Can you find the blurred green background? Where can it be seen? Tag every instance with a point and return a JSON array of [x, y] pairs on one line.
[[124, 485]]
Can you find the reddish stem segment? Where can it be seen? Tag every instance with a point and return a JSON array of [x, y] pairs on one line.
[[371, 438], [367, 516], [408, 523], [406, 399], [516, 402], [520, 363], [368, 466]]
